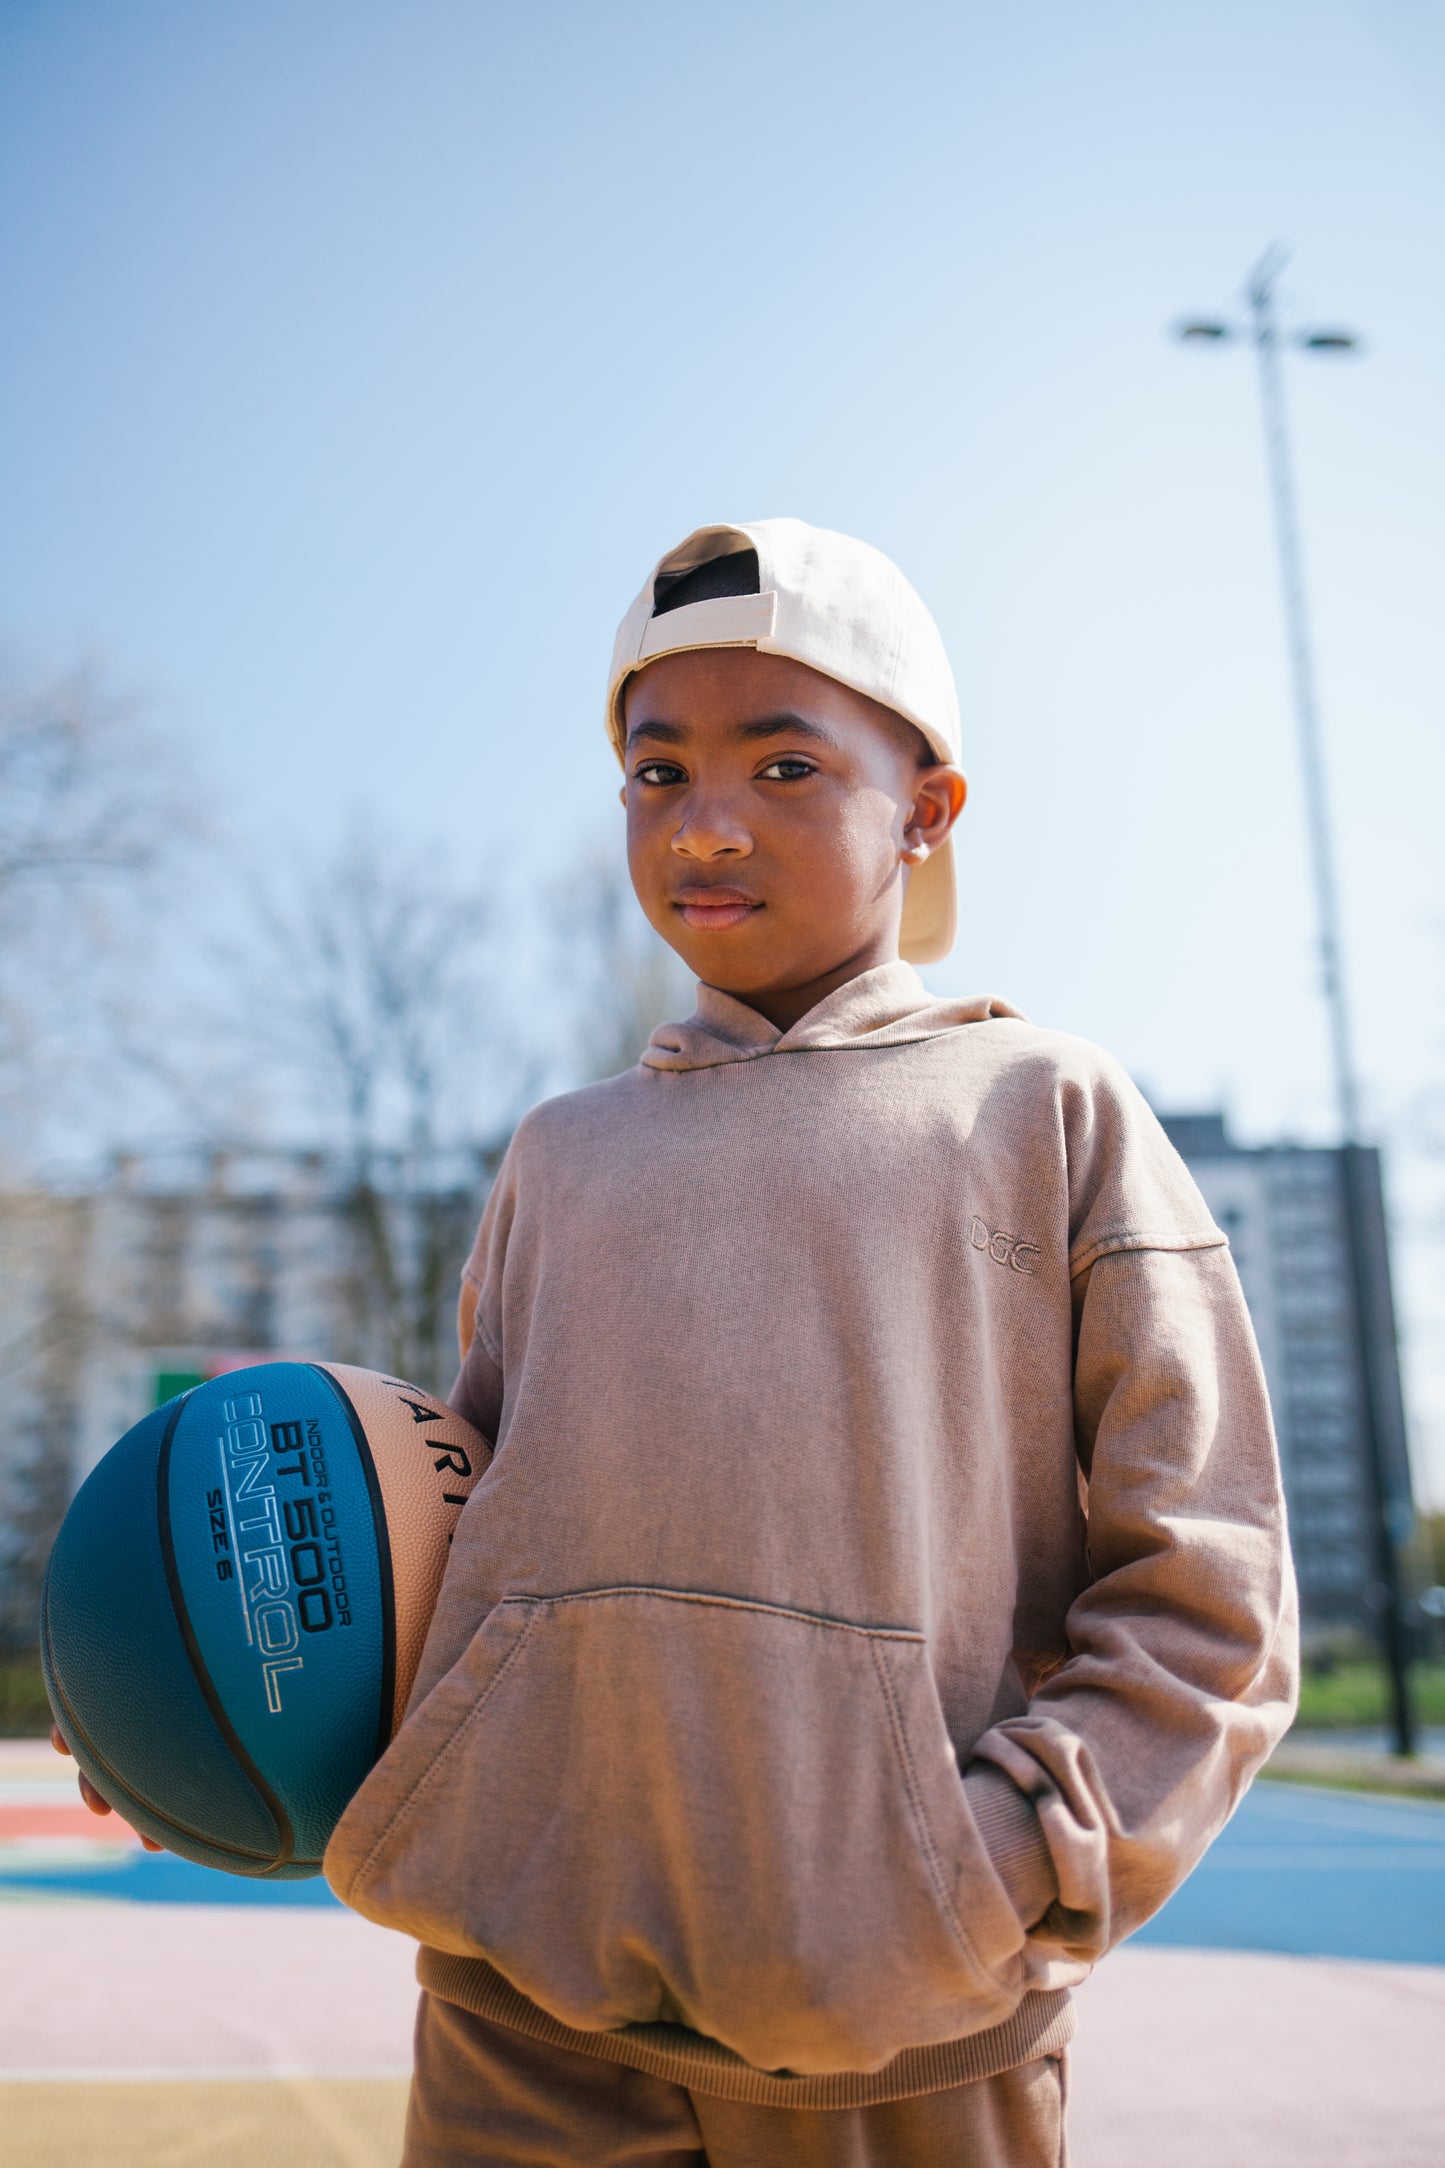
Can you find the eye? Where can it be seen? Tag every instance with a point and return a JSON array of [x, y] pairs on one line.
[[658, 772], [788, 769]]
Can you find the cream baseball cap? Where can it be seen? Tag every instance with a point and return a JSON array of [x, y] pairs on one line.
[[842, 608]]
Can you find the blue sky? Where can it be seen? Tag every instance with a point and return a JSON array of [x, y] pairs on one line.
[[358, 361]]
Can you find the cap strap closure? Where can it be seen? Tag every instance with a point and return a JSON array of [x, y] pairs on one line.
[[726, 621]]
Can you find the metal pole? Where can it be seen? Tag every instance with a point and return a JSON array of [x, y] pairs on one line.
[[1396, 1636], [1359, 1174], [1306, 698]]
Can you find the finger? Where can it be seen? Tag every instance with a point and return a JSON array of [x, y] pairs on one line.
[[150, 1844], [92, 1797], [57, 1739]]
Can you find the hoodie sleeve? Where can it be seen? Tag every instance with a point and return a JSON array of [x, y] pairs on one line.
[[1183, 1669], [477, 1393]]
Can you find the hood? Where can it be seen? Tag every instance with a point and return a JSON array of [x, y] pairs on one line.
[[888, 1006]]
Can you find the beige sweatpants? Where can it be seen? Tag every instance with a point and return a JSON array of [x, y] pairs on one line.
[[491, 2098]]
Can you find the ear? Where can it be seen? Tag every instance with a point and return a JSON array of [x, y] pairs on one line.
[[939, 794]]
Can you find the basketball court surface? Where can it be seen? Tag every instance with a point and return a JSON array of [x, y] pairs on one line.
[[1286, 2008]]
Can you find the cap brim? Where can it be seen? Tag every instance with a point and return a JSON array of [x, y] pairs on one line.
[[930, 909]]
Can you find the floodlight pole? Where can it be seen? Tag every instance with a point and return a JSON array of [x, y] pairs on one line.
[[1260, 291], [1264, 329]]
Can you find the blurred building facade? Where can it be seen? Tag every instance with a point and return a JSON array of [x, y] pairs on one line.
[[1326, 1328], [177, 1267]]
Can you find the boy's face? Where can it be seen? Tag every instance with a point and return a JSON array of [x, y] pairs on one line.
[[772, 816]]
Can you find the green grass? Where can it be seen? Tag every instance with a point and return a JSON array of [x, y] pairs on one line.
[[24, 1710], [1355, 1696]]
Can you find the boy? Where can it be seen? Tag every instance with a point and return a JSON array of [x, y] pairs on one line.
[[878, 1596]]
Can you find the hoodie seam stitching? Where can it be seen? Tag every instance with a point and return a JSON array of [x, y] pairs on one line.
[[707, 1599], [857, 1046], [914, 1795], [1135, 1239]]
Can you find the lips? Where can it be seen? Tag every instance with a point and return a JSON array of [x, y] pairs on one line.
[[714, 910]]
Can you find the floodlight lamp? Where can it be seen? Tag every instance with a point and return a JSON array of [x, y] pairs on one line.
[[1203, 329], [1329, 342]]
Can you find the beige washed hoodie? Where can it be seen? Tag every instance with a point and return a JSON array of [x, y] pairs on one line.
[[878, 1596]]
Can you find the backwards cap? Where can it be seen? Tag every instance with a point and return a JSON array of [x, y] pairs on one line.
[[832, 603]]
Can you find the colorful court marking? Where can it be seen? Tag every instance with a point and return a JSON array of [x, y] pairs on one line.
[[52, 1845], [1299, 1872]]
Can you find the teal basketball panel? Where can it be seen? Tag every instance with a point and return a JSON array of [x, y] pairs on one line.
[[123, 1688], [281, 1575]]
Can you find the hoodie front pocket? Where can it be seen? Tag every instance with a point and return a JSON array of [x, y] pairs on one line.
[[645, 1805]]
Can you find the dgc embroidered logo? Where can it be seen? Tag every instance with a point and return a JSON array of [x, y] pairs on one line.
[[1005, 1249]]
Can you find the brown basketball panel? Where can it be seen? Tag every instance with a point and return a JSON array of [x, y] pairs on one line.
[[427, 1459]]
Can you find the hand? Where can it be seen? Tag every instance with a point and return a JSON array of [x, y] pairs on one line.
[[88, 1792]]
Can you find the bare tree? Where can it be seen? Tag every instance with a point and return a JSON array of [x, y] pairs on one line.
[[374, 982], [93, 809], [44, 1341], [86, 791], [382, 984]]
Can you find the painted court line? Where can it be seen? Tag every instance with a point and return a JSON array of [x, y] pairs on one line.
[[201, 2074], [236, 1990]]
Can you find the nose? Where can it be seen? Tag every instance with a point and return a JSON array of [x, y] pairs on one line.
[[709, 829]]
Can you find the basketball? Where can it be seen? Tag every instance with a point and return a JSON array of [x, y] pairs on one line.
[[237, 1600]]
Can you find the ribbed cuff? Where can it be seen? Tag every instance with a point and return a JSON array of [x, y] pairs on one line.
[[1043, 2024], [1008, 1823]]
